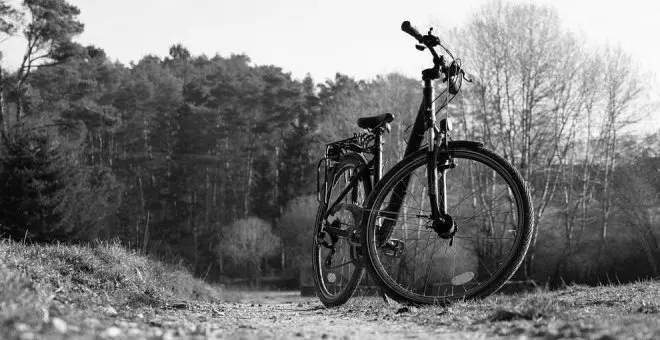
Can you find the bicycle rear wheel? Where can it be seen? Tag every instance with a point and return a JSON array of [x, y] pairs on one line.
[[337, 261], [491, 207]]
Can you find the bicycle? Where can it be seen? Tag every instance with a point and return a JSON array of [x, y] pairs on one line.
[[452, 220]]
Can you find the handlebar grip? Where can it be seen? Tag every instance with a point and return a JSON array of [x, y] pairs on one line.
[[410, 29]]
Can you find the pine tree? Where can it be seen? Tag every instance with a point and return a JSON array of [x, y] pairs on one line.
[[33, 184]]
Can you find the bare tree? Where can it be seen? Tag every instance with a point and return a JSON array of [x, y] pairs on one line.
[[525, 102], [622, 90], [576, 182]]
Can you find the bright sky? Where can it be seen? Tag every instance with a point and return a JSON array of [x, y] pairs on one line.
[[361, 38]]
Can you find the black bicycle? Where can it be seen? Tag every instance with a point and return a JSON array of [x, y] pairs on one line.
[[452, 220]]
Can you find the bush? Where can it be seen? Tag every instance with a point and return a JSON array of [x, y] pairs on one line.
[[247, 242], [295, 228]]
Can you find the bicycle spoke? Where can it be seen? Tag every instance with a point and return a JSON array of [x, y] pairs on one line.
[[471, 195], [483, 238], [340, 265], [482, 213], [428, 273]]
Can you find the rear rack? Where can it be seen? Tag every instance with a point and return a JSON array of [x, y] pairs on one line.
[[360, 143]]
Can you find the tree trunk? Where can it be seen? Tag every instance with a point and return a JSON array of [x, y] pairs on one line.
[[3, 121], [193, 227], [145, 239], [143, 204], [248, 180]]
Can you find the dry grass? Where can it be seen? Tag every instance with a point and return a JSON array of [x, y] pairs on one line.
[[623, 311], [40, 282]]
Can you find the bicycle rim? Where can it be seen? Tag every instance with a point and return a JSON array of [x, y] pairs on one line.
[[492, 210]]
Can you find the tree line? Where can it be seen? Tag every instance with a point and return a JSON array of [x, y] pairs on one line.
[[212, 160]]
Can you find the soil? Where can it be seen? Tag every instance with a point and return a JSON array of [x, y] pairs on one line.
[[576, 312]]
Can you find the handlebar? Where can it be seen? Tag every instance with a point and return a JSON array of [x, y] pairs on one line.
[[430, 41], [410, 29]]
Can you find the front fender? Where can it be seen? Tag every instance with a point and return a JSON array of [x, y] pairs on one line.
[[451, 144], [465, 143]]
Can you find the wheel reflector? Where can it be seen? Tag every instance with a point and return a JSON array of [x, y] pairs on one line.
[[462, 278]]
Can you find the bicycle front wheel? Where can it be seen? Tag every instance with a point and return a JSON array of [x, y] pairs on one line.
[[491, 207]]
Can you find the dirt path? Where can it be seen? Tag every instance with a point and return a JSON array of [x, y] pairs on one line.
[[308, 319], [272, 315], [599, 313]]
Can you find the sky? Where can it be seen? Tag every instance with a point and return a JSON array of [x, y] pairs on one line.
[[360, 38]]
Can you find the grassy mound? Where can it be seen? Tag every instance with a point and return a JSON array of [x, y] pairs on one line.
[[39, 281]]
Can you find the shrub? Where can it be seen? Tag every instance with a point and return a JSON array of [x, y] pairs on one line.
[[247, 242], [295, 228]]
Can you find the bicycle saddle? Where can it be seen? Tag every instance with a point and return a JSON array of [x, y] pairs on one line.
[[374, 121]]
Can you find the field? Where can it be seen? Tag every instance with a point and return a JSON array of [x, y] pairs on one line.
[[104, 291]]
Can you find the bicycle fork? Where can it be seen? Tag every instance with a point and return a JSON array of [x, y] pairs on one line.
[[432, 157], [442, 223]]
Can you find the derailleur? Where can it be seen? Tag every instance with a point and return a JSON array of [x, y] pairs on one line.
[[339, 228]]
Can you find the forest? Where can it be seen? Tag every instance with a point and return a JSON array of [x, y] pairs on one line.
[[210, 161]]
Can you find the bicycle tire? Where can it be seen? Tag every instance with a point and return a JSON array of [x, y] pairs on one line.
[[446, 281], [332, 294]]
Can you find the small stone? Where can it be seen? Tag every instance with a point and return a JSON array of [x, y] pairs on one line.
[[505, 315], [402, 310], [21, 327], [91, 322], [27, 336], [110, 311], [168, 335], [111, 332], [201, 329], [58, 324], [134, 332]]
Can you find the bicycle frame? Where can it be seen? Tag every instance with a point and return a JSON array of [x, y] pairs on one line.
[[424, 121]]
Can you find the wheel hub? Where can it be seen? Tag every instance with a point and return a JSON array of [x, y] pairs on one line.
[[445, 227]]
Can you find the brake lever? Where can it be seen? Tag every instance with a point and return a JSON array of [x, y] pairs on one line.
[[430, 40], [466, 78]]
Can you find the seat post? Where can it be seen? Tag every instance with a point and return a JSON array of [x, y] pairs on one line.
[[378, 155]]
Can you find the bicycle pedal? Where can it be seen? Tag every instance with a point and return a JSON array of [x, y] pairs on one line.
[[394, 248]]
